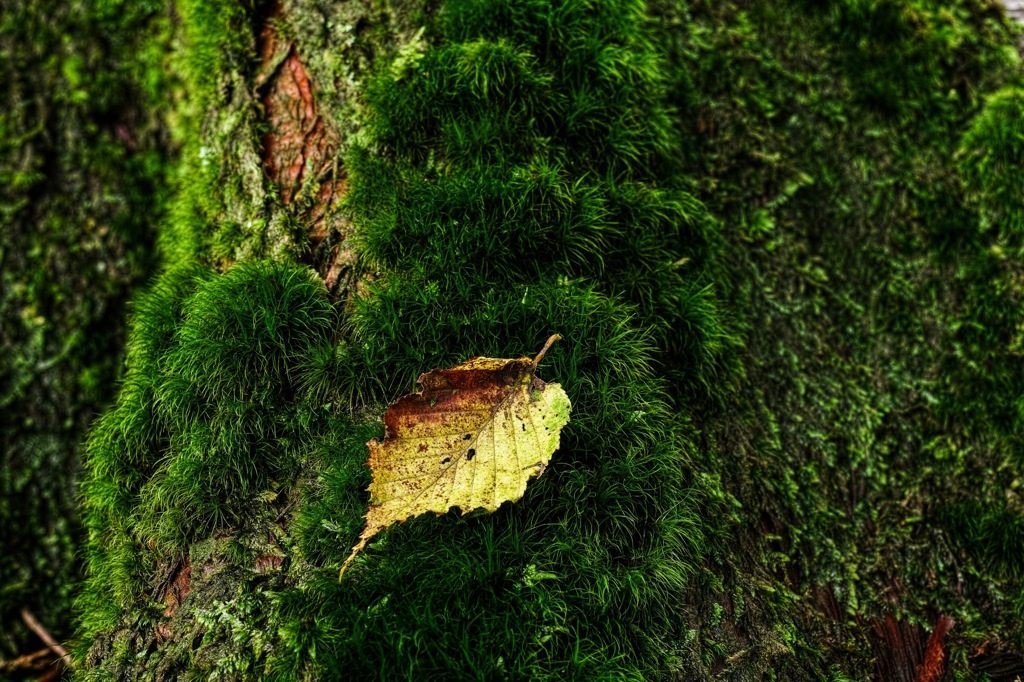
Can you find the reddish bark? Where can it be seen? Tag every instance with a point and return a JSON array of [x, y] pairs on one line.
[[267, 562], [298, 143], [898, 649], [300, 151], [173, 591], [901, 654], [934, 666]]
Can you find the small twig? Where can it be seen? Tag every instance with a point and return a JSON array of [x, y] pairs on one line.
[[47, 638], [287, 508], [35, 661], [547, 345]]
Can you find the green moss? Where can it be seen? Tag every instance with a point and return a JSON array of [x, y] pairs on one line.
[[481, 140], [231, 413], [201, 430], [932, 42], [123, 448], [993, 537], [743, 220], [880, 356], [238, 351], [991, 152], [82, 163], [585, 190]]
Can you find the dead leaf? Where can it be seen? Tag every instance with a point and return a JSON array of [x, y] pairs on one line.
[[471, 439]]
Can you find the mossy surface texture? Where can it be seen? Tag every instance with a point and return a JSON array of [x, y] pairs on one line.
[[83, 150], [782, 245]]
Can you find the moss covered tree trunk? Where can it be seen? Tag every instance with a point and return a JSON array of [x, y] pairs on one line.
[[781, 242]]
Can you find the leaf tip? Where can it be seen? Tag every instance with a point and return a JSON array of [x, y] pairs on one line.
[[355, 551]]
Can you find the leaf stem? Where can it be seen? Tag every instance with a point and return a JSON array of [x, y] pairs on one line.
[[540, 355]]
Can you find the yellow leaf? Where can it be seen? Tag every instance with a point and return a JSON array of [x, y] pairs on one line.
[[470, 439]]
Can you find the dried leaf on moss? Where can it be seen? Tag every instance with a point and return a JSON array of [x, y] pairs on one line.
[[471, 439]]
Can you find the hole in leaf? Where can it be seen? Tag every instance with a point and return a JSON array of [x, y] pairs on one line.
[[524, 427], [469, 455], [446, 460], [467, 436]]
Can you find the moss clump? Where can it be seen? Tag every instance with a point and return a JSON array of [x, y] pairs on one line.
[[544, 153], [222, 399], [204, 424], [994, 537], [992, 153], [123, 447]]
